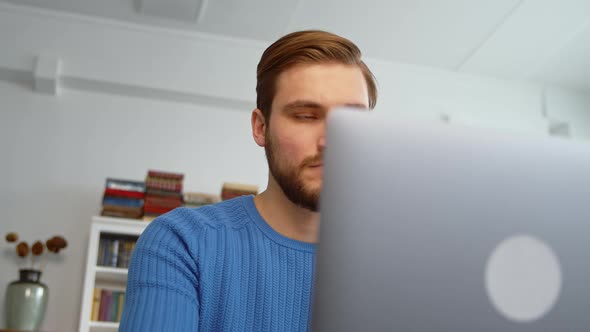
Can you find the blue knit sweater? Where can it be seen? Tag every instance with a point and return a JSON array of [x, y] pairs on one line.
[[218, 268]]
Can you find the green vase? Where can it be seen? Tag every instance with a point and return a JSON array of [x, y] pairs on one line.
[[26, 301]]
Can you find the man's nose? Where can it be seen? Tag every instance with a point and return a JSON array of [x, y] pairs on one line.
[[322, 141]]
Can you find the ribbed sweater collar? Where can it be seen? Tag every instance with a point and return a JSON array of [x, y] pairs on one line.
[[248, 203]]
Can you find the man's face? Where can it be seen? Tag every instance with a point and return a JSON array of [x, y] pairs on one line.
[[295, 135]]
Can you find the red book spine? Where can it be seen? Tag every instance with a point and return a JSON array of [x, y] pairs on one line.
[[105, 302], [166, 175], [124, 193], [161, 185], [156, 210], [163, 201]]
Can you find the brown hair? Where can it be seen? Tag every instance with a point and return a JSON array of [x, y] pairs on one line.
[[306, 47]]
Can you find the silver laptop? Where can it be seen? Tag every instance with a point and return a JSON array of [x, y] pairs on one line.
[[437, 227]]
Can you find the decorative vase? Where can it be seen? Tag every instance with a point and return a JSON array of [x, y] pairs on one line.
[[26, 301]]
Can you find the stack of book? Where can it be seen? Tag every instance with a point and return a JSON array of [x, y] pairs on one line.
[[115, 251], [123, 198], [232, 190], [195, 199], [107, 305], [163, 193]]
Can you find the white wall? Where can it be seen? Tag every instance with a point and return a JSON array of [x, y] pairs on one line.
[[466, 99], [572, 108], [133, 99], [57, 152]]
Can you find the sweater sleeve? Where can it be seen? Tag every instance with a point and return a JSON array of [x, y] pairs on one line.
[[162, 283]]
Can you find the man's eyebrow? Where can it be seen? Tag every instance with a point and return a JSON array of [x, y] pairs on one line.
[[311, 104], [357, 105], [302, 104]]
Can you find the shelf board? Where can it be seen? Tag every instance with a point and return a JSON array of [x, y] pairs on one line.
[[103, 326], [122, 221], [115, 274]]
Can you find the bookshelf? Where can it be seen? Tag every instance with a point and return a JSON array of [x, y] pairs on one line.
[[97, 274]]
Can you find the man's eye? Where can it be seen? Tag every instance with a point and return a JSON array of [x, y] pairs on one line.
[[305, 117]]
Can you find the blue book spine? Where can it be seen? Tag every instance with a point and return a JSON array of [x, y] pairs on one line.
[[107, 252], [121, 201]]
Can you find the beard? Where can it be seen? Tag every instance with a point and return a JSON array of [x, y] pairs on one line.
[[290, 179]]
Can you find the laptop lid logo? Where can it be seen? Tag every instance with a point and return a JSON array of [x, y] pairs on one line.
[[523, 278]]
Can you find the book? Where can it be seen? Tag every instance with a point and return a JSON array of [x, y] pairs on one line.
[[155, 210], [162, 193], [232, 190], [123, 198], [109, 200], [127, 185], [125, 251], [240, 187], [149, 217], [231, 194], [105, 250], [165, 175], [162, 201], [95, 304], [199, 199], [124, 193], [122, 208], [114, 252], [105, 305], [101, 252], [165, 185], [164, 181], [121, 301], [121, 214], [114, 306]]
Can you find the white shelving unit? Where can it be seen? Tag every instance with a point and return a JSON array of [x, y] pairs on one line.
[[101, 276]]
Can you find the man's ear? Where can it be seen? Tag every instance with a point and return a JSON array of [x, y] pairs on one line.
[[258, 127]]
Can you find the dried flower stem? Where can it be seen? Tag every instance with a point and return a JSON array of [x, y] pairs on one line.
[[43, 262], [22, 262]]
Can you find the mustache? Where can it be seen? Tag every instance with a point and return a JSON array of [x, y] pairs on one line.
[[313, 160]]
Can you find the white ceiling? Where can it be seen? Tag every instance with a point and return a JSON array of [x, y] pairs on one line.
[[543, 40]]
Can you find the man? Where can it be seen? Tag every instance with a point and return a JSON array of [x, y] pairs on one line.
[[247, 264]]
